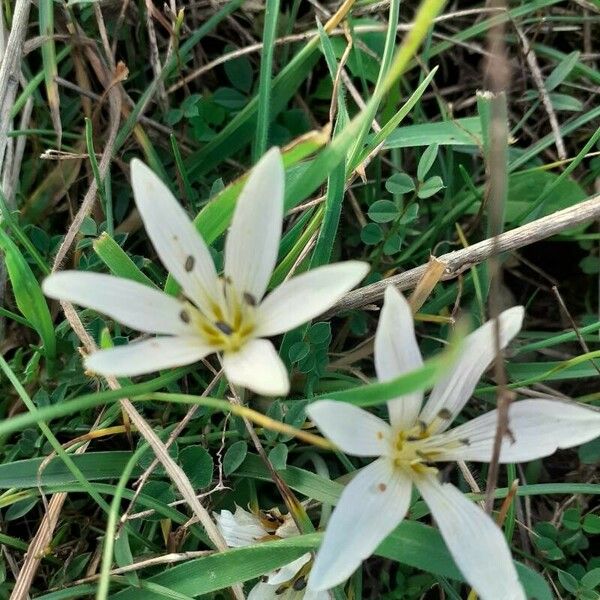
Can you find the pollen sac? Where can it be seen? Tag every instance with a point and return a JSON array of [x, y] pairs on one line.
[[184, 315], [189, 263], [249, 299], [224, 327], [299, 584], [444, 414]]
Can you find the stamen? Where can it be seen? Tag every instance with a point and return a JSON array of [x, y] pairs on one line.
[[444, 414], [249, 299], [299, 584], [224, 327], [382, 487], [189, 263], [184, 315], [465, 441]]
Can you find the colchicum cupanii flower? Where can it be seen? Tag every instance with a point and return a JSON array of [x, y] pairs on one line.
[[417, 439], [225, 314], [243, 528]]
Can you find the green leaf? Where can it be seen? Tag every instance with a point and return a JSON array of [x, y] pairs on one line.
[[565, 102], [383, 211], [278, 456], [589, 453], [239, 72], [96, 466], [591, 580], [198, 465], [371, 234], [430, 187], [561, 71], [319, 333], [234, 457], [118, 261], [459, 132], [572, 519], [568, 581], [400, 183], [215, 572], [298, 351], [28, 294], [229, 98], [591, 524], [426, 161]]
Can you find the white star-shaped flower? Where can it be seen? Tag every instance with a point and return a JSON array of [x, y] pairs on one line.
[[416, 440], [228, 314], [243, 528]]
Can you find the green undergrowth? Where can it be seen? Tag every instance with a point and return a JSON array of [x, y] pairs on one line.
[[423, 191]]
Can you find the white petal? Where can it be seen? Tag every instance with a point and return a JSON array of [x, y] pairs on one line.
[[176, 241], [128, 302], [288, 571], [396, 353], [239, 529], [257, 366], [352, 429], [369, 509], [453, 391], [310, 594], [139, 358], [537, 429], [306, 296], [253, 240], [264, 591], [474, 540]]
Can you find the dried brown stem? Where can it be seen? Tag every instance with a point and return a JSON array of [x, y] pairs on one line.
[[459, 261]]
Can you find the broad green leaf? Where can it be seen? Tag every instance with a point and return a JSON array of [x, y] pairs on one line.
[[561, 71], [28, 293], [96, 466], [383, 211], [460, 132], [118, 261], [400, 183], [430, 187], [234, 457], [198, 465], [426, 161]]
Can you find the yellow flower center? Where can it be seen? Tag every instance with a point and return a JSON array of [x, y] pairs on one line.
[[410, 452], [230, 322]]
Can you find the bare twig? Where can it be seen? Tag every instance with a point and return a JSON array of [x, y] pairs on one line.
[[567, 313], [459, 261], [536, 73], [497, 75], [9, 69], [172, 437]]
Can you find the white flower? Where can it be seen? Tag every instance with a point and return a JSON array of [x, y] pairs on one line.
[[377, 499], [244, 528], [226, 315]]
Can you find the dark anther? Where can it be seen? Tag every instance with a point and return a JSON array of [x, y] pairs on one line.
[[224, 328], [444, 414], [184, 316], [280, 590], [189, 263], [299, 584], [250, 299], [465, 441]]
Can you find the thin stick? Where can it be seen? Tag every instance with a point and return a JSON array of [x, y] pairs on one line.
[[536, 73], [459, 261], [9, 69]]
